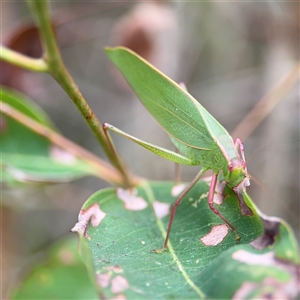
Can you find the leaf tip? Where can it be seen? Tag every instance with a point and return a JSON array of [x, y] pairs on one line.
[[92, 214]]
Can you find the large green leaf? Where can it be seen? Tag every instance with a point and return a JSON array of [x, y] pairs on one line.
[[126, 225], [62, 276], [29, 157]]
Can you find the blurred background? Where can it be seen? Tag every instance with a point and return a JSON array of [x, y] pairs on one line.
[[230, 55]]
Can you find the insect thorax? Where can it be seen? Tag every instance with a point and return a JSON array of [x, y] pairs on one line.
[[215, 160]]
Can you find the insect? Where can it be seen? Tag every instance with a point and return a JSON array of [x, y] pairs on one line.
[[200, 138]]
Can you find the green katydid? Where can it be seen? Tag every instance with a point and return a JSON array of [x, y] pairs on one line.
[[199, 137]]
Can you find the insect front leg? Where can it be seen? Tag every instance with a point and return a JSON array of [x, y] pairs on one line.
[[176, 204], [211, 193], [118, 162], [246, 182], [239, 144]]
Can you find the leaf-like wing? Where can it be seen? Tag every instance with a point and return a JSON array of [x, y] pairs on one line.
[[174, 109]]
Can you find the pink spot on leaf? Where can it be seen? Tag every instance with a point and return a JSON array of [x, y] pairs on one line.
[[161, 209], [103, 280], [61, 156], [245, 289], [131, 200], [267, 259], [216, 235], [177, 189], [20, 175], [269, 288], [92, 214], [119, 284], [116, 269]]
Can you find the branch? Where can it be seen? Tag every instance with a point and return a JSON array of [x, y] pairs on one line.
[[23, 61], [52, 57], [266, 104], [103, 169]]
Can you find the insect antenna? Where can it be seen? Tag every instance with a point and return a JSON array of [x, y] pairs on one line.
[[269, 191], [275, 148], [258, 150]]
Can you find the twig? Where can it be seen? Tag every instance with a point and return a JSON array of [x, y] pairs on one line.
[[23, 61], [266, 104], [102, 169], [56, 68]]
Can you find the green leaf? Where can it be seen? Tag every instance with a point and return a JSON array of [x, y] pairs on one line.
[[118, 241], [246, 273], [29, 157], [63, 275]]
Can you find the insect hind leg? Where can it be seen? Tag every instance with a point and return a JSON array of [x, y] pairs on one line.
[[214, 210]]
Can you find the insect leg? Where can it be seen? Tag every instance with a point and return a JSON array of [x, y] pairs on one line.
[[211, 204], [239, 144], [176, 204], [118, 159]]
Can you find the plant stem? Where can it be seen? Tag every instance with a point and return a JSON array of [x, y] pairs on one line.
[[102, 169], [23, 61], [56, 68]]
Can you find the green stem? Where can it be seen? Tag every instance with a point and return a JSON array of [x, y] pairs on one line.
[[23, 61], [56, 68]]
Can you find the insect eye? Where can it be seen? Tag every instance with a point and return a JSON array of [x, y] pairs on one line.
[[243, 165], [230, 167]]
